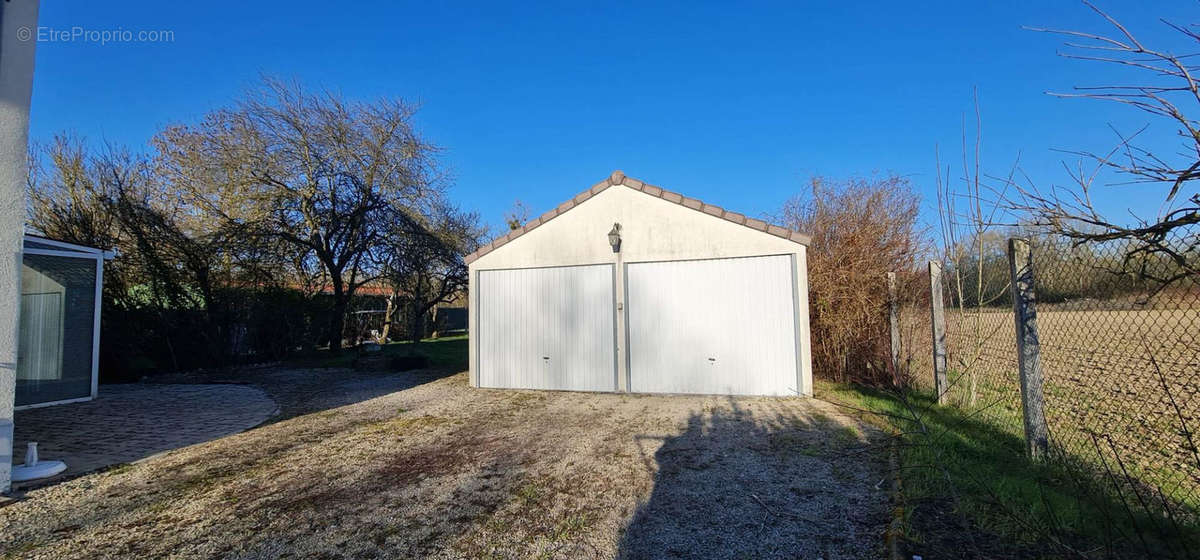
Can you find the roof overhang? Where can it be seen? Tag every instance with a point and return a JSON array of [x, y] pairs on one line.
[[63, 246]]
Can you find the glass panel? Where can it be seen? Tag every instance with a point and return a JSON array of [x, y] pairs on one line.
[[54, 352]]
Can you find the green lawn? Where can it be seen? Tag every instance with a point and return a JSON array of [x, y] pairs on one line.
[[449, 353], [953, 460]]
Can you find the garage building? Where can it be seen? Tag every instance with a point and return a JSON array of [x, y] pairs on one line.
[[631, 288]]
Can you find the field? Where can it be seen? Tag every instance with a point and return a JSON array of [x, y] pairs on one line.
[[1120, 385]]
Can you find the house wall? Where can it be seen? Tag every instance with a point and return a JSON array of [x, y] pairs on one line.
[[18, 21], [652, 229]]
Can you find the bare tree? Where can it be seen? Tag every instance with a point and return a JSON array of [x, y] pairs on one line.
[[111, 198], [1166, 89], [967, 217], [516, 216], [70, 197], [424, 265], [313, 170]]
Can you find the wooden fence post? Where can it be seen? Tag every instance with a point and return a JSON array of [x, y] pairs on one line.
[[937, 313], [894, 325], [1020, 267]]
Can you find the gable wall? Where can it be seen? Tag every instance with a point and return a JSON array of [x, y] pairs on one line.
[[651, 229]]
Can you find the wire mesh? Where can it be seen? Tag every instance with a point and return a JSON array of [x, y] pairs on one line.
[[1119, 333], [1120, 356], [980, 351]]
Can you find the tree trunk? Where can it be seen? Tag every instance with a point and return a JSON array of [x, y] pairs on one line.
[[337, 321], [337, 324], [418, 317], [387, 319], [418, 326]]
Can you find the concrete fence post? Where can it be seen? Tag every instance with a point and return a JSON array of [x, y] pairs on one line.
[[1020, 266], [894, 325], [937, 314]]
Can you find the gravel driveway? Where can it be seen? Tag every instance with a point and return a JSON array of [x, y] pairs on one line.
[[445, 471]]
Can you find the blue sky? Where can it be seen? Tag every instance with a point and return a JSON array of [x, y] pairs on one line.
[[734, 104]]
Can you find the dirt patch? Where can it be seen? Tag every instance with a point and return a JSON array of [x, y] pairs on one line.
[[445, 471]]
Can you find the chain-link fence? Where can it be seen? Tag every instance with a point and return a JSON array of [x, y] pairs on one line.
[[1118, 338], [981, 353], [1122, 359]]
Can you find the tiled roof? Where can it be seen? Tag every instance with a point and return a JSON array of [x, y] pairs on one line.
[[619, 178]]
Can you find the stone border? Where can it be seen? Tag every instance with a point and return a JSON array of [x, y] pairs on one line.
[[619, 178]]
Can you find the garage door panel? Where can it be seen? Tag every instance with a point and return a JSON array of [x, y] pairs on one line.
[[547, 328], [722, 326]]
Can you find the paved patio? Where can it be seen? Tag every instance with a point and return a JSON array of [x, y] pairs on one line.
[[134, 421]]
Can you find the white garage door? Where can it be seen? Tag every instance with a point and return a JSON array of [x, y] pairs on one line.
[[722, 326], [547, 328]]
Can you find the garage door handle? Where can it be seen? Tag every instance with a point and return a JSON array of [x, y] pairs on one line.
[[712, 359], [545, 357]]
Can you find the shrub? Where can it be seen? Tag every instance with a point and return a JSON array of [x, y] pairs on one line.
[[861, 228]]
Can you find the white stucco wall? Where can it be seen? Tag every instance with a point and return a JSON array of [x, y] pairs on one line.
[[18, 23], [652, 229]]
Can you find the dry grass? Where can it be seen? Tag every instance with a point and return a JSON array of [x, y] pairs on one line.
[[442, 470], [861, 228]]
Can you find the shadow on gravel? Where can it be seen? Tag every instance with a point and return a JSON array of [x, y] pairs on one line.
[[300, 391], [321, 382], [779, 485], [307, 392]]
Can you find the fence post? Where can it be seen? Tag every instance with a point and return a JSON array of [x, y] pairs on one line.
[[1020, 267], [937, 313], [894, 325]]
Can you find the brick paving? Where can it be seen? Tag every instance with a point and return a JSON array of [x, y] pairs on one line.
[[134, 421]]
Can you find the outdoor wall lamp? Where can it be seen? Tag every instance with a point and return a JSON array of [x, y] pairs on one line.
[[614, 238]]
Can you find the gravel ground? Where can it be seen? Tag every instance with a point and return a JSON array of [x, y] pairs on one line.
[[445, 471], [299, 391]]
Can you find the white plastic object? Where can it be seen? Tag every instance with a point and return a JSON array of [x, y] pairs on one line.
[[34, 469]]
